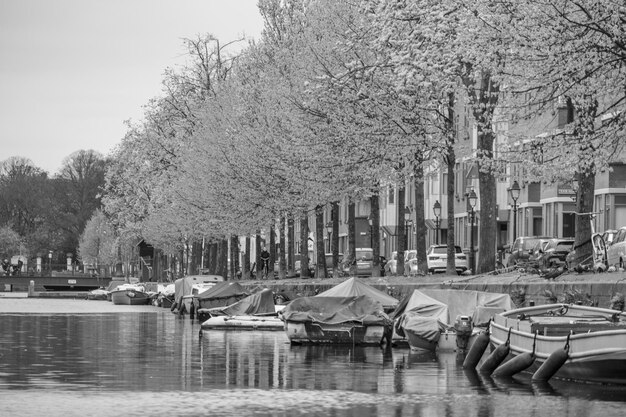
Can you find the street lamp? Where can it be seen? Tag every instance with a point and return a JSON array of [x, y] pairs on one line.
[[407, 222], [437, 211], [329, 230], [514, 192], [50, 262], [471, 198]]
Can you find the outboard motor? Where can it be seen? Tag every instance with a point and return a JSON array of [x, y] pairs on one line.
[[464, 327]]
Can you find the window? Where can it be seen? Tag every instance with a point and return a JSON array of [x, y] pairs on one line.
[[392, 196]]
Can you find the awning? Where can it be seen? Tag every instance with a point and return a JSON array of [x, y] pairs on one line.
[[443, 224]]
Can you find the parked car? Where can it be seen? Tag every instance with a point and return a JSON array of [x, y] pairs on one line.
[[364, 262], [555, 252], [297, 266], [437, 256], [616, 253], [609, 236], [520, 251]]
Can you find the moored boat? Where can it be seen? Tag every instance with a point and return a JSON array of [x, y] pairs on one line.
[[255, 312], [357, 320], [130, 294], [590, 340], [436, 319]]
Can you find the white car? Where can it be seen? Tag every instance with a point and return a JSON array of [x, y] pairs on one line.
[[616, 253], [438, 259]]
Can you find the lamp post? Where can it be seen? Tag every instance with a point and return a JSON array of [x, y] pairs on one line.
[[50, 262], [437, 211], [329, 230], [514, 192], [407, 222], [471, 198]]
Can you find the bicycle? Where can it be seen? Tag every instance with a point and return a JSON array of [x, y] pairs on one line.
[[265, 269]]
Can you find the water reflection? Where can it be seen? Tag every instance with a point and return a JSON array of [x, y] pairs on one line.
[[73, 364]]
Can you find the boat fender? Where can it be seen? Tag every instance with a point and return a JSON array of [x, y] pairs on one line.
[[553, 363], [476, 350], [496, 357], [174, 305], [517, 364]]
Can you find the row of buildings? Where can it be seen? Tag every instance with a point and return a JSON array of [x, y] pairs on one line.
[[538, 208]]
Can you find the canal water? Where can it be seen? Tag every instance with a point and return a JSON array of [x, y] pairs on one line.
[[153, 363]]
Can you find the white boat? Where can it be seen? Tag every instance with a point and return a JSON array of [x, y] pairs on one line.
[[590, 341], [245, 322], [130, 294], [255, 312]]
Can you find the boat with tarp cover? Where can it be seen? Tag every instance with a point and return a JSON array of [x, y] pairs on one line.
[[442, 319], [255, 312], [357, 320], [590, 340]]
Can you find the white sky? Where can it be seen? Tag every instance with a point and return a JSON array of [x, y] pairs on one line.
[[72, 71]]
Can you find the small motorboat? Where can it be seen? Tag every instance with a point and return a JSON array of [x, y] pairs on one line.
[[565, 341], [130, 294]]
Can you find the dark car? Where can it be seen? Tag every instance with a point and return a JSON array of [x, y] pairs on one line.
[[555, 252], [520, 251]]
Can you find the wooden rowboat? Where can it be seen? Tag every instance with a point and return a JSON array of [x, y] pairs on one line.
[[590, 340]]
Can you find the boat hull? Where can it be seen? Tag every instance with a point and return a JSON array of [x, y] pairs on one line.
[[596, 346], [243, 323], [344, 333], [129, 297], [447, 342]]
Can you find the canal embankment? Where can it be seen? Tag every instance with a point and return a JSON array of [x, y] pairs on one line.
[[524, 288]]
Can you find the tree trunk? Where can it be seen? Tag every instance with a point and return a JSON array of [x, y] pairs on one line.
[[335, 239], [291, 236], [273, 257], [450, 188], [304, 246], [488, 213], [582, 223], [234, 257], [401, 229], [375, 231], [281, 256], [351, 239], [258, 263], [484, 98], [420, 222], [245, 272], [320, 269]]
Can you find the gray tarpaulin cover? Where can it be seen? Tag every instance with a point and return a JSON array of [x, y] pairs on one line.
[[261, 302], [183, 286], [429, 309], [336, 310], [355, 287]]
